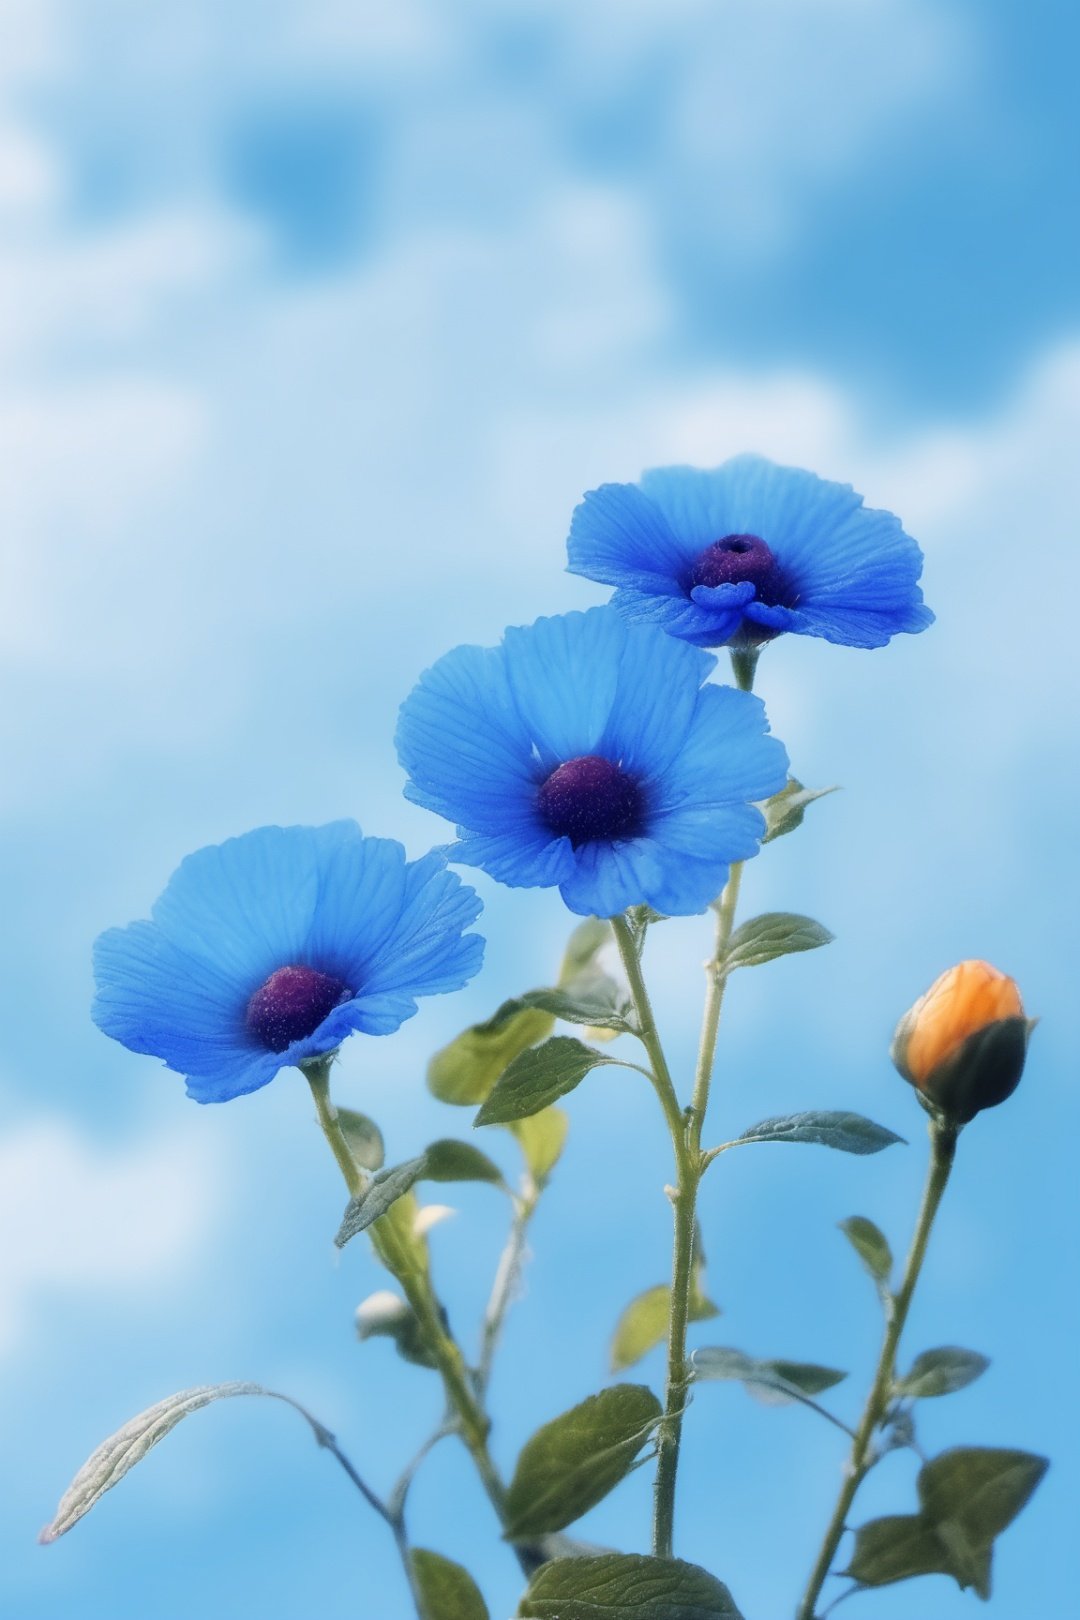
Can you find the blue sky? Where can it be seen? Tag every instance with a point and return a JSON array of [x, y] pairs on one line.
[[315, 322]]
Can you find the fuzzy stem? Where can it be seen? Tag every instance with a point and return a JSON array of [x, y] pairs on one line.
[[471, 1421], [942, 1154]]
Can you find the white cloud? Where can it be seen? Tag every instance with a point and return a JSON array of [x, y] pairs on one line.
[[78, 1221]]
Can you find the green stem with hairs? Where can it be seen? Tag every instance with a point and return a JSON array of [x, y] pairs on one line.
[[861, 1459], [405, 1262], [690, 1162]]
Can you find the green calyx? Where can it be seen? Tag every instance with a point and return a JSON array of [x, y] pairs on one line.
[[983, 1071]]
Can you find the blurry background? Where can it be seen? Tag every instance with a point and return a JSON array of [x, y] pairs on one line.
[[316, 319]]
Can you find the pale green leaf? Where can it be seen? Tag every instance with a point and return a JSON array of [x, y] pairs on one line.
[[446, 1590], [364, 1138], [871, 1245], [582, 948], [465, 1071], [117, 1455], [785, 810], [644, 1323], [942, 1372], [541, 1138]]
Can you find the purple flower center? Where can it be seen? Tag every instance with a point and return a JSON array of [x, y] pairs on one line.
[[739, 559], [589, 798], [291, 1004]]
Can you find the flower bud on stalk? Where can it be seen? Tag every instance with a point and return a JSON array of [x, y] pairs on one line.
[[963, 1044]]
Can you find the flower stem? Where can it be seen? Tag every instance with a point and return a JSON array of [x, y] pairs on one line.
[[392, 1516], [506, 1276], [660, 1074], [690, 1166], [942, 1154], [471, 1421]]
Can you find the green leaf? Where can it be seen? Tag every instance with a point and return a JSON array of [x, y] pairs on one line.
[[575, 1460], [582, 948], [942, 1372], [644, 1323], [537, 1078], [445, 1160], [377, 1197], [363, 1137], [779, 1381], [117, 1455], [785, 810], [806, 1376], [895, 1549], [541, 1138], [971, 1494], [871, 1246], [850, 1133], [465, 1071], [446, 1591], [596, 1001], [450, 1160], [774, 933], [626, 1586]]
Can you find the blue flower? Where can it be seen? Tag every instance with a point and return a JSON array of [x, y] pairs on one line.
[[269, 949], [747, 551], [586, 752]]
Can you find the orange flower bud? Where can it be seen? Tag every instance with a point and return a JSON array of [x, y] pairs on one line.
[[963, 1043]]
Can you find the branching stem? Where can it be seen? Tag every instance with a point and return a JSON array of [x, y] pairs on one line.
[[402, 1260]]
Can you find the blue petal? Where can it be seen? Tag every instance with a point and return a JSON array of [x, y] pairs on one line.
[[697, 504], [728, 758], [248, 903], [852, 626], [359, 896], [619, 537], [563, 674], [852, 570], [678, 883], [426, 952], [179, 986], [464, 746], [607, 878], [701, 624], [157, 999], [642, 871], [839, 555], [236, 1078], [522, 859], [713, 834], [655, 699]]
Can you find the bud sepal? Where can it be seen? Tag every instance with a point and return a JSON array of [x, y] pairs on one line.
[[964, 1043]]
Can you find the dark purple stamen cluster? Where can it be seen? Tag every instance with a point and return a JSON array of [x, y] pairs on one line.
[[291, 1004], [590, 797], [738, 559]]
